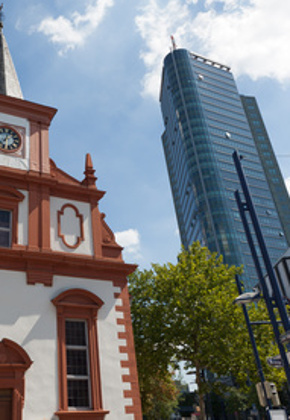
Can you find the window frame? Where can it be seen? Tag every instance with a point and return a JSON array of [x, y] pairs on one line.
[[9, 201], [8, 229], [14, 362], [79, 304], [72, 377]]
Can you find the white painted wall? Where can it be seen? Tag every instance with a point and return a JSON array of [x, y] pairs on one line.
[[7, 159], [29, 318], [70, 227]]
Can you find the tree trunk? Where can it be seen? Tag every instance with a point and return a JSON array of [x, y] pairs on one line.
[[200, 393], [202, 407]]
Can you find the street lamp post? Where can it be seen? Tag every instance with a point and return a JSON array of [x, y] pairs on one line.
[[247, 206], [254, 346]]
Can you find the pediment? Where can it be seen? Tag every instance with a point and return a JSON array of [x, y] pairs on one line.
[[62, 176], [78, 297], [10, 193], [12, 355]]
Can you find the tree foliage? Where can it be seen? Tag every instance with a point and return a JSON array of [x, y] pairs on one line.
[[186, 312], [160, 395]]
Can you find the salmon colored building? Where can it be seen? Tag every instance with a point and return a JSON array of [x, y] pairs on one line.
[[66, 341]]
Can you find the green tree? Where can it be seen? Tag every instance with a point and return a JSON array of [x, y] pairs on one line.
[[185, 312], [160, 396]]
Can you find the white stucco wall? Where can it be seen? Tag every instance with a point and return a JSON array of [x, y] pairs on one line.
[[70, 228], [29, 318], [7, 159]]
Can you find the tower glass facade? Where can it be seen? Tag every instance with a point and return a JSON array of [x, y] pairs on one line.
[[205, 121]]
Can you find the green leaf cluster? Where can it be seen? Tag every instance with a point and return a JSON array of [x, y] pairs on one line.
[[185, 311]]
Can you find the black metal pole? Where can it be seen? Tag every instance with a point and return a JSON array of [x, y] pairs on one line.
[[261, 242], [263, 284], [243, 207], [255, 350]]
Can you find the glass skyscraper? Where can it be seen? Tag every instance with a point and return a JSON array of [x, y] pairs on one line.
[[205, 120]]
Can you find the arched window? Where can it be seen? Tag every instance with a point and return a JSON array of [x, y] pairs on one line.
[[79, 371], [14, 361]]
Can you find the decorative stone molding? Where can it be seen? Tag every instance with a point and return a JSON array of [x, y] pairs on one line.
[[130, 378], [79, 304], [9, 200], [14, 361], [80, 236], [107, 233]]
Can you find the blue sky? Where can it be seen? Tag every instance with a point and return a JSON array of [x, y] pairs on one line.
[[99, 63]]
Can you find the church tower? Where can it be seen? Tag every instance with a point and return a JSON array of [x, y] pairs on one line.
[[66, 341]]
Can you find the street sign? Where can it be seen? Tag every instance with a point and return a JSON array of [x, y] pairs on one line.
[[275, 361], [280, 414]]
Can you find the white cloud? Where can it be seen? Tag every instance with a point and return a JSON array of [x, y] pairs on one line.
[[69, 33], [251, 36], [130, 240], [155, 25], [287, 182]]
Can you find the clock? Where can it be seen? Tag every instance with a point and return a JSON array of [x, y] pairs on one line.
[[10, 140]]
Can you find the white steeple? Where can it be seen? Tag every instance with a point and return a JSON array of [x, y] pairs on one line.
[[9, 83]]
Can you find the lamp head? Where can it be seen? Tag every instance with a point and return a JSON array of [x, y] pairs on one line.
[[248, 297]]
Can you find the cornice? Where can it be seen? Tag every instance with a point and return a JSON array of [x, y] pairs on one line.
[[26, 109], [23, 179], [46, 264]]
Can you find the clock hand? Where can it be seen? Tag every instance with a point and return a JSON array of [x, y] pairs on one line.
[[7, 138]]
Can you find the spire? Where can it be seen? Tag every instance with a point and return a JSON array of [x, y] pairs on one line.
[[90, 179], [173, 42], [9, 84]]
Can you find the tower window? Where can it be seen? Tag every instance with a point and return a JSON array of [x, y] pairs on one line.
[[5, 228]]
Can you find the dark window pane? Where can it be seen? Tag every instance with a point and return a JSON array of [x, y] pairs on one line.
[[78, 393], [75, 333], [76, 362], [4, 238], [5, 218]]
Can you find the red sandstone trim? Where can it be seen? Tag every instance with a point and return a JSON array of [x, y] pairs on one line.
[[82, 415], [63, 264], [34, 276], [43, 181], [79, 304], [58, 188], [39, 152], [129, 349], [96, 229], [14, 362], [45, 219], [44, 149], [80, 238], [33, 218], [25, 109], [9, 200], [34, 151]]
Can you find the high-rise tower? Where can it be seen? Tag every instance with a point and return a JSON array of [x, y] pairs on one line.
[[205, 121]]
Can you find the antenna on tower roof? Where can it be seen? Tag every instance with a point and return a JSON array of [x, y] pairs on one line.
[[1, 16], [173, 42]]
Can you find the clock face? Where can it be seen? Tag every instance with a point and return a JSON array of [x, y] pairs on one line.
[[10, 140]]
